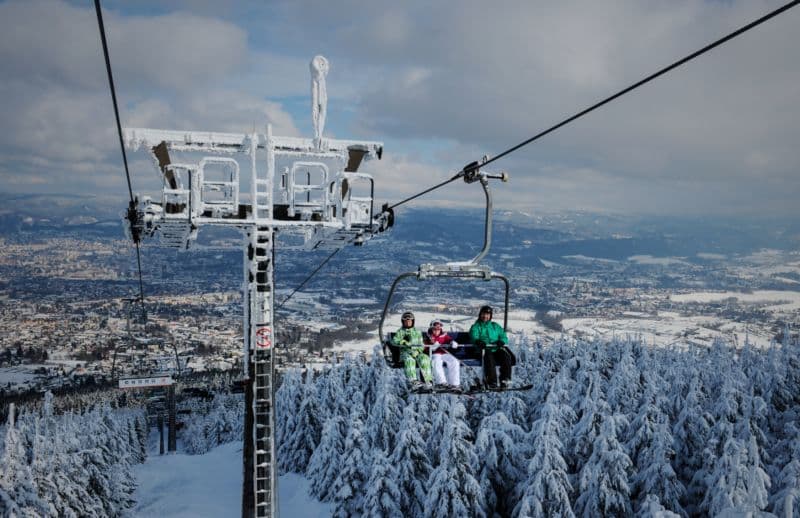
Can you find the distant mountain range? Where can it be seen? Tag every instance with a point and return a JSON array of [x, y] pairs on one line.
[[550, 235]]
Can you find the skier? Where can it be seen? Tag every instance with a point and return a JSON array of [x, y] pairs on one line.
[[409, 339], [491, 338], [442, 358]]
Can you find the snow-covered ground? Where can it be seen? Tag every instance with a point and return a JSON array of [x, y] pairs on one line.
[[210, 486], [663, 328], [777, 301]]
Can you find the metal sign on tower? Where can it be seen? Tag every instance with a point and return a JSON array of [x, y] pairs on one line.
[[262, 184]]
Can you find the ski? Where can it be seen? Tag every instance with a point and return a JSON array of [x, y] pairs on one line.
[[482, 390], [468, 392]]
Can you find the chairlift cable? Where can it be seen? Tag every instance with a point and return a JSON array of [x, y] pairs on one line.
[[426, 191], [475, 165], [121, 141], [318, 268]]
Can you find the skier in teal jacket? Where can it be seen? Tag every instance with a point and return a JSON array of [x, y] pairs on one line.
[[412, 350], [491, 338]]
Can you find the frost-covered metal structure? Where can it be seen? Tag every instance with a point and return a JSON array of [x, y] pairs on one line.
[[307, 189]]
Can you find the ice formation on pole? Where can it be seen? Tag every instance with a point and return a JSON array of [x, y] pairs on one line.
[[319, 95]]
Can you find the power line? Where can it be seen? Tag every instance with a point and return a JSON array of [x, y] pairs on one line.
[[132, 205]]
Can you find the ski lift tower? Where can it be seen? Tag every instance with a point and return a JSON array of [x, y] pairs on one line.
[[262, 184]]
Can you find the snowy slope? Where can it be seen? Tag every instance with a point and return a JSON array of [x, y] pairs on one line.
[[210, 486]]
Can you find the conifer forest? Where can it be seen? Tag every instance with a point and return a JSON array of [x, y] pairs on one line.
[[615, 428], [609, 429]]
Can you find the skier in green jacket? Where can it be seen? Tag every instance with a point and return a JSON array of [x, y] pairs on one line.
[[491, 338], [412, 351]]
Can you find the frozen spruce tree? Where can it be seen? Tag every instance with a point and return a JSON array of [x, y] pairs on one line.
[[452, 488], [324, 465], [545, 490], [652, 508], [499, 446], [382, 498], [592, 408], [332, 398], [412, 464], [288, 398], [623, 386], [726, 488], [348, 488], [691, 433], [385, 414], [786, 500], [651, 450], [16, 479], [307, 431], [654, 474], [603, 482]]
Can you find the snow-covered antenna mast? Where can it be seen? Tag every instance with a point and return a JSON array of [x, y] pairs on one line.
[[306, 189]]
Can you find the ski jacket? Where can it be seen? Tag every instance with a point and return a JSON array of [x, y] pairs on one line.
[[488, 332], [407, 336], [443, 339]]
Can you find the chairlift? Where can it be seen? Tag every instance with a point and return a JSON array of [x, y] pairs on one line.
[[468, 353], [138, 337]]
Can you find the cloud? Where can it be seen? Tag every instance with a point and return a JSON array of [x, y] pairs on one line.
[[170, 70], [489, 76], [441, 84]]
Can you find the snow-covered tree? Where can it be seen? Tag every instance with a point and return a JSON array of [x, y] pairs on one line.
[[296, 451], [651, 449], [592, 408], [546, 489], [382, 498], [453, 489], [623, 386], [348, 488], [324, 465], [386, 413], [786, 500], [412, 463], [16, 478], [603, 482], [499, 446]]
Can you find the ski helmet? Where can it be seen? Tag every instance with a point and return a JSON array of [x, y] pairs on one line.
[[407, 316], [434, 322], [486, 309]]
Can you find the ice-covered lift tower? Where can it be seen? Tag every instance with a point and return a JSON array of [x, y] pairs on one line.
[[262, 184]]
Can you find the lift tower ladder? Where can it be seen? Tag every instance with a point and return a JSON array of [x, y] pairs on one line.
[[308, 191]]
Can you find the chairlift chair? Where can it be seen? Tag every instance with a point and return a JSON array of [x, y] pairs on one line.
[[467, 353]]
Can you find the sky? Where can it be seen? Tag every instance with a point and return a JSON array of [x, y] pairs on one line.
[[439, 83]]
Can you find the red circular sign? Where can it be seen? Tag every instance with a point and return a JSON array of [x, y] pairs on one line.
[[264, 337]]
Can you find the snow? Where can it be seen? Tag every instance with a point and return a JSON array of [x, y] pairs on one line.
[[588, 259], [210, 485], [18, 376], [649, 259], [710, 256], [783, 300]]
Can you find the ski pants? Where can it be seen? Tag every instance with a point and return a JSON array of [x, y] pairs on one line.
[[411, 357], [440, 361], [490, 362]]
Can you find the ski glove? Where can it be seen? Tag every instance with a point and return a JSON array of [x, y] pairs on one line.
[[480, 343], [499, 343], [454, 344]]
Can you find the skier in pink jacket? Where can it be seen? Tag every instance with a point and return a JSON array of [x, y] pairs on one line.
[[441, 359]]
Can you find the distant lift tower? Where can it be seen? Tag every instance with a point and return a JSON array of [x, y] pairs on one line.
[[306, 189]]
